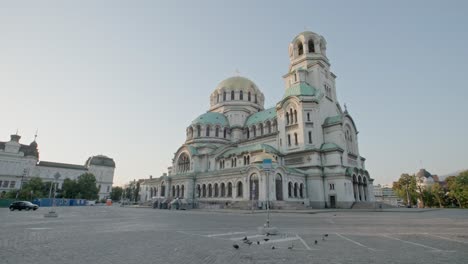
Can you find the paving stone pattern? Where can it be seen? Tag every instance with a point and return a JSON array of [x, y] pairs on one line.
[[114, 234]]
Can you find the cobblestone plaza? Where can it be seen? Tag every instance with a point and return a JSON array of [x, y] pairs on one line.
[[142, 235]]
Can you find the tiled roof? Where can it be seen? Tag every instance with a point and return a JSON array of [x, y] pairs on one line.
[[261, 116], [333, 120], [300, 89], [330, 146], [61, 165], [252, 148], [211, 118]]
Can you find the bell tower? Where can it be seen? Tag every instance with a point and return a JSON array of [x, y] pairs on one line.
[[309, 64]]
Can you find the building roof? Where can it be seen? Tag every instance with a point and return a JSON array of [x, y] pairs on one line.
[[211, 118], [238, 83], [423, 173], [300, 88], [28, 150], [261, 116], [61, 165], [251, 148], [330, 147], [100, 160], [332, 120]]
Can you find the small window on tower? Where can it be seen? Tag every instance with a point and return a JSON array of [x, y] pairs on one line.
[[311, 46], [300, 48], [308, 116]]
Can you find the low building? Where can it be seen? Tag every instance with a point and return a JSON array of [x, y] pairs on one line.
[[19, 163], [385, 194]]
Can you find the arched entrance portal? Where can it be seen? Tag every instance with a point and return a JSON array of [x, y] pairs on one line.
[[279, 187], [254, 187]]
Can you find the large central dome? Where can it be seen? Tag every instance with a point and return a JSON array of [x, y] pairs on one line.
[[235, 90], [238, 83]]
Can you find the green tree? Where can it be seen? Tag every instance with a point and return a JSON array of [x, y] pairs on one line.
[[137, 192], [458, 188], [87, 188], [70, 189], [29, 190], [439, 194], [405, 188], [116, 193]]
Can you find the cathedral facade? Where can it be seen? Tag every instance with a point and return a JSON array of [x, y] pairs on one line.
[[312, 141]]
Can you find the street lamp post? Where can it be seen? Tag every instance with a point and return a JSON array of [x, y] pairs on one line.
[[267, 165], [52, 212]]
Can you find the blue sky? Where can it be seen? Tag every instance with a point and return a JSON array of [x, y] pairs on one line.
[[125, 79]]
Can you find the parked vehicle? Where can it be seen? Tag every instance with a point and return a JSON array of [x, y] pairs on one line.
[[20, 205]]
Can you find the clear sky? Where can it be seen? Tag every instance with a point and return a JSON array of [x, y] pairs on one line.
[[125, 78]]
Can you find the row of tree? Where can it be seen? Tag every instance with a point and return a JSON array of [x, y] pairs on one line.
[[130, 193], [453, 192], [84, 187]]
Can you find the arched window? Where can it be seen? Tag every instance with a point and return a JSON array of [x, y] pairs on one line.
[[248, 159], [173, 191], [301, 190], [198, 131], [249, 97], [295, 116], [217, 132], [245, 160], [225, 133], [216, 190], [261, 129], [268, 124], [223, 189], [198, 191], [254, 187], [308, 116], [289, 140], [256, 98], [248, 133], [224, 96], [241, 95], [291, 115], [210, 190], [232, 95], [163, 189], [290, 189], [183, 164], [254, 131], [311, 46], [287, 118], [239, 189], [182, 190], [190, 132], [204, 190], [300, 49], [295, 139], [295, 190], [208, 128], [178, 191], [229, 190]]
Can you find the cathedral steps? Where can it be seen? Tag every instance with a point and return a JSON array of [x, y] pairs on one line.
[[288, 205]]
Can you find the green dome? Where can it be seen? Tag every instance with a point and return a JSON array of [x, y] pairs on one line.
[[211, 118]]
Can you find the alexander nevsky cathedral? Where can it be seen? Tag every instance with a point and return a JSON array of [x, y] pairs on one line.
[[312, 141]]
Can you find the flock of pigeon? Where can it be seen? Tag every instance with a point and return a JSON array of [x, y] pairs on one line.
[[246, 241]]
